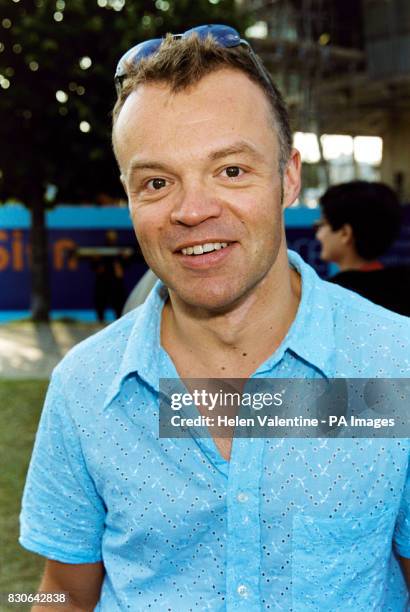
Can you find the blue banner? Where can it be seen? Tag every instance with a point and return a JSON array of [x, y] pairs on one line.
[[72, 281]]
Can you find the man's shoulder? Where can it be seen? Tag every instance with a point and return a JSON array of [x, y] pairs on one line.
[[351, 311]]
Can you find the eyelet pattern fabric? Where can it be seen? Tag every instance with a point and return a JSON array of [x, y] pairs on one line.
[[289, 524]]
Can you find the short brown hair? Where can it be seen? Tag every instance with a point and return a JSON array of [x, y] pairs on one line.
[[181, 63]]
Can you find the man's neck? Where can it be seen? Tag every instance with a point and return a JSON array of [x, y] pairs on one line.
[[351, 261], [235, 343]]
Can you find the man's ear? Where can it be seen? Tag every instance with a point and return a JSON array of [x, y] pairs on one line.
[[292, 179], [346, 234]]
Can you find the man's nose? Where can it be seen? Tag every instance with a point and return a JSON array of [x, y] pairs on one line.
[[196, 204]]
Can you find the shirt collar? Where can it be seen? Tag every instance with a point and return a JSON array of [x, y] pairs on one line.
[[311, 335], [143, 348]]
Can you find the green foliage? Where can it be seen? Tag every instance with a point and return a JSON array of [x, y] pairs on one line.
[[41, 45], [20, 406]]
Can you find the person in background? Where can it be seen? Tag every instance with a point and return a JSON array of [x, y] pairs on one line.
[[109, 279], [360, 221]]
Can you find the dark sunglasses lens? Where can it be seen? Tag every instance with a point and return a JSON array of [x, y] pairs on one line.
[[137, 53], [224, 35], [147, 48]]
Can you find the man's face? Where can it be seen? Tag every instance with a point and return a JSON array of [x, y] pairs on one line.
[[332, 242], [200, 168]]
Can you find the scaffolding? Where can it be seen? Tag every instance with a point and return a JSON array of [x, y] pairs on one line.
[[336, 59]]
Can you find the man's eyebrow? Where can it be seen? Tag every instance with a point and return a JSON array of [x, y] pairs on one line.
[[234, 149], [146, 164]]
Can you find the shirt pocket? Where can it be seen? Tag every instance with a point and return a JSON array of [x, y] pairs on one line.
[[340, 563]]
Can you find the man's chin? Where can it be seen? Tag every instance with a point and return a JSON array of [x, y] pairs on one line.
[[216, 300]]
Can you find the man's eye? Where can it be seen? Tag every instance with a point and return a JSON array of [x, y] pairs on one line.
[[156, 184], [233, 171]]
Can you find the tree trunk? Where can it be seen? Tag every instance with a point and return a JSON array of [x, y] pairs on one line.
[[40, 288]]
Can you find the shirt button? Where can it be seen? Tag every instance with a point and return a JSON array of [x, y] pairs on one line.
[[242, 590], [242, 497]]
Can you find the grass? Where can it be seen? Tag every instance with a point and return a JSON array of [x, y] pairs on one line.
[[20, 406], [59, 321]]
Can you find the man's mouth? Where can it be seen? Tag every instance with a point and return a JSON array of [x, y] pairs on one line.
[[207, 247]]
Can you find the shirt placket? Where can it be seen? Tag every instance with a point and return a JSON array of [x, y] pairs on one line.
[[243, 516]]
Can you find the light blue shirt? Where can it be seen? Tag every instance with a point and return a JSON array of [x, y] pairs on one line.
[[287, 524]]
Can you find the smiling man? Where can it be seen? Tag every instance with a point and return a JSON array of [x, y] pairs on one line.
[[132, 521]]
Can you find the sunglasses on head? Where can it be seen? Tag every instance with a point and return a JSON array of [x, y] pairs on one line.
[[224, 35]]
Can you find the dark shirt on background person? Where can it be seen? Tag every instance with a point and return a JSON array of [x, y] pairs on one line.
[[360, 221], [109, 289], [388, 287]]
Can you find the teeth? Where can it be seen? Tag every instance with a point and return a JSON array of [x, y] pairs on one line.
[[208, 247]]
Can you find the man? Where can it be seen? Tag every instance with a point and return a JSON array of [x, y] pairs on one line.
[[360, 221], [109, 279], [131, 521]]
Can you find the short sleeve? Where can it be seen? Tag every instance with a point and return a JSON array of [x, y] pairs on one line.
[[402, 528], [62, 515]]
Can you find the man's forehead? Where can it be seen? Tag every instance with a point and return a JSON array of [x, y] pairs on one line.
[[223, 102], [224, 91], [221, 82]]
